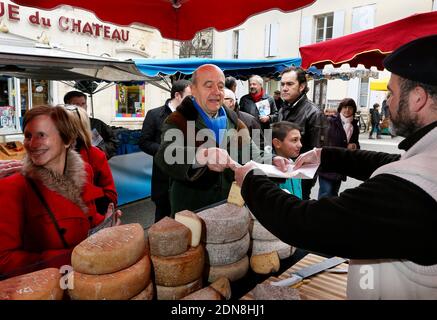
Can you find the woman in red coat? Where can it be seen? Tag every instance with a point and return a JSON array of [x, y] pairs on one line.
[[49, 207], [96, 158]]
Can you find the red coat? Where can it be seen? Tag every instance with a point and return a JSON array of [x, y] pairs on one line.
[[102, 176], [27, 234]]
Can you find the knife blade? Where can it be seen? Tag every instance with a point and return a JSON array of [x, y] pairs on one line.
[[308, 271]]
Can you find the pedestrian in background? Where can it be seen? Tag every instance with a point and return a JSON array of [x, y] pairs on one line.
[[375, 121]]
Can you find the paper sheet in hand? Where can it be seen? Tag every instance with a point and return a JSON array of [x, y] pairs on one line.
[[305, 172]]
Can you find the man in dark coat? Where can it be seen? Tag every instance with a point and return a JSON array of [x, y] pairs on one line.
[[299, 109], [150, 141], [375, 120], [103, 136]]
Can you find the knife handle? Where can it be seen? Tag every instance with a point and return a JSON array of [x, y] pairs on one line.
[[287, 282]]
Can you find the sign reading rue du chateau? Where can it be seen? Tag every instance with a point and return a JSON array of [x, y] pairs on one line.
[[12, 13]]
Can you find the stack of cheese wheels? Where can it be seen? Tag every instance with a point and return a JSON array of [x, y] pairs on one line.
[[39, 285], [112, 264], [218, 290], [177, 256], [267, 249], [226, 240]]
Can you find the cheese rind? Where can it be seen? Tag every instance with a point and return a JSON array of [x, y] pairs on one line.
[[168, 237], [259, 232], [176, 293], [233, 271], [224, 223], [207, 293], [227, 253], [121, 285], [234, 196], [109, 250], [146, 294], [260, 246], [181, 269], [222, 286], [193, 222], [39, 285]]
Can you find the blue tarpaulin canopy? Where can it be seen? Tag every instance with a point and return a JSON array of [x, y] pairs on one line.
[[240, 69]]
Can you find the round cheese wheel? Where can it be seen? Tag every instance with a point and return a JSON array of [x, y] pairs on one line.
[[265, 263], [168, 237], [207, 293], [227, 253], [146, 294], [263, 246], [109, 250], [121, 285], [233, 271], [224, 223], [258, 232], [39, 285], [176, 293], [181, 269]]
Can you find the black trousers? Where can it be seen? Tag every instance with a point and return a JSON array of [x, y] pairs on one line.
[[163, 208]]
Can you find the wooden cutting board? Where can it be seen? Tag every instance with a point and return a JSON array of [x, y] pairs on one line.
[[322, 286], [9, 153]]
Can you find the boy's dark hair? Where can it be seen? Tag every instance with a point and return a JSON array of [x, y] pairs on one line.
[[282, 128], [73, 94], [347, 102], [179, 86]]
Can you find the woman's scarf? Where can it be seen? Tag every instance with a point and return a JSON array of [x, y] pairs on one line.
[[218, 124], [347, 126]]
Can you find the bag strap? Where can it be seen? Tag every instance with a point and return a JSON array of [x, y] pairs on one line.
[[52, 216]]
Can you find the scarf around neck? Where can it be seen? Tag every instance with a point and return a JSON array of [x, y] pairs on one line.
[[347, 126], [218, 124], [257, 96]]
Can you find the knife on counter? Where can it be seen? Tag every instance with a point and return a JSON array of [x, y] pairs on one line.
[[308, 271]]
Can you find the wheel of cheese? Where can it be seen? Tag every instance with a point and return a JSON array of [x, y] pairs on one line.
[[121, 285], [233, 271], [181, 269], [109, 250], [265, 263], [176, 293], [224, 223], [258, 232], [207, 293], [146, 294], [227, 253], [39, 285], [168, 237], [193, 222], [263, 246]]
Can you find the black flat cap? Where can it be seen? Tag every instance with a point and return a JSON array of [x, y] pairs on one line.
[[415, 60]]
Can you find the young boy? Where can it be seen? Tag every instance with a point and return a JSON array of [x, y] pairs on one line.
[[286, 143]]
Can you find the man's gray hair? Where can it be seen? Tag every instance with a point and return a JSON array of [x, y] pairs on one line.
[[258, 79]]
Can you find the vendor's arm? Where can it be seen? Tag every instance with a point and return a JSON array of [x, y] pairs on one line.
[[377, 219]]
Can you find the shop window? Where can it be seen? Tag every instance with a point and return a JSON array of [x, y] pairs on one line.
[[319, 95], [130, 101], [324, 27], [33, 93], [8, 110]]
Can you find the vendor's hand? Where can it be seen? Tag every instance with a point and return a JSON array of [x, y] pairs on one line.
[[352, 146], [281, 163], [216, 159], [241, 171], [264, 119], [310, 157], [116, 216], [8, 167]]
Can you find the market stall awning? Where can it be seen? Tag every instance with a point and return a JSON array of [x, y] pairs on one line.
[[240, 69], [175, 19], [24, 58], [369, 47]]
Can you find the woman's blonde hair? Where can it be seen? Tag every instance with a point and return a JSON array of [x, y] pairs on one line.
[[81, 121]]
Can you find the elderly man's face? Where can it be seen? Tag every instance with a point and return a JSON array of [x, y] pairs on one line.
[[254, 86], [209, 89], [403, 122]]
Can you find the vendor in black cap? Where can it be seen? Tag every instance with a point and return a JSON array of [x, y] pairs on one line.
[[388, 224]]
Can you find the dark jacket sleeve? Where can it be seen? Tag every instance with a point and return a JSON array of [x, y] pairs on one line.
[[147, 141], [317, 127], [110, 142], [273, 111], [386, 217]]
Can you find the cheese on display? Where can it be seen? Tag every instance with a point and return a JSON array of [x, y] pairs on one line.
[[176, 293], [168, 237], [207, 293], [146, 294], [227, 253], [233, 271], [234, 196], [224, 223], [181, 269], [223, 286], [193, 222], [109, 250], [39, 285], [121, 285], [260, 246], [265, 263], [258, 232]]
